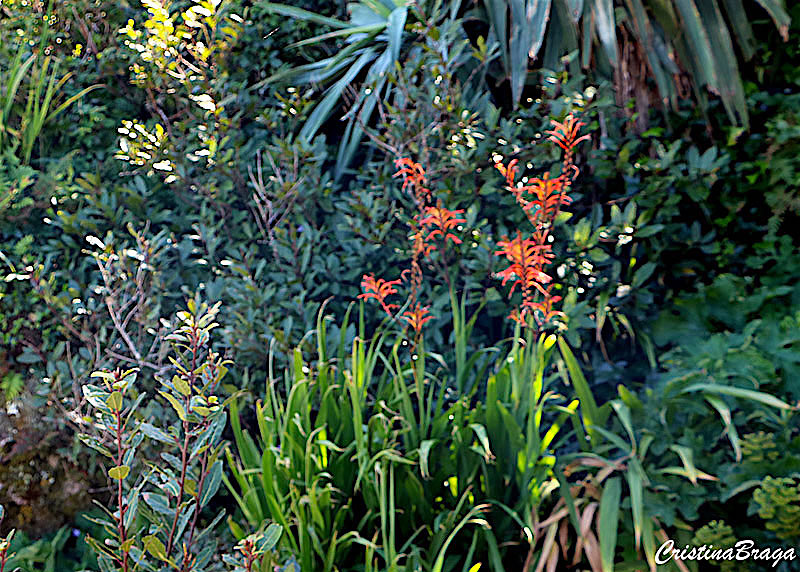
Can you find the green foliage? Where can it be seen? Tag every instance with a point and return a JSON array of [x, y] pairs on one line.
[[212, 162], [701, 39], [754, 347], [21, 122], [356, 454], [374, 38], [253, 549], [759, 447], [49, 554], [154, 523], [698, 39], [778, 501], [719, 535], [12, 385]]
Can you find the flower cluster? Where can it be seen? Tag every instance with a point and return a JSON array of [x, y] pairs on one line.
[[379, 289], [431, 229], [541, 199]]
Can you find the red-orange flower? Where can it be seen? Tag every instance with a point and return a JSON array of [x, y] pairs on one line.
[[417, 317], [420, 245], [545, 198], [528, 257], [541, 199], [442, 221], [412, 173], [565, 135], [413, 176], [545, 309], [510, 172], [379, 289], [519, 315]]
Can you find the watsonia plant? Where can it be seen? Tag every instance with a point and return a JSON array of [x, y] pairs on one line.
[[432, 233], [541, 198], [357, 461], [430, 229], [154, 520], [369, 461]]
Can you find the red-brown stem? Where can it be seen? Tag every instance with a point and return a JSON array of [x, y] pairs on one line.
[[122, 509], [184, 465], [249, 557], [185, 448], [203, 474], [4, 552]]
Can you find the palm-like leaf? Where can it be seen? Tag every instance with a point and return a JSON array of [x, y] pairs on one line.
[[373, 38], [670, 34]]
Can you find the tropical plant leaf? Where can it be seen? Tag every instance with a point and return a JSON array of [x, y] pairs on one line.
[[607, 522]]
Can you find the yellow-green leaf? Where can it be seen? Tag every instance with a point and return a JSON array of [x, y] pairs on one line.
[[103, 374], [119, 472], [200, 410], [114, 401], [179, 409], [155, 547], [181, 385]]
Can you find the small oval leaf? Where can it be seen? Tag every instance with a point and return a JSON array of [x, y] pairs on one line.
[[119, 472]]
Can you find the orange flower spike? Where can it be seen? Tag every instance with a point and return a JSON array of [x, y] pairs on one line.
[[510, 172], [418, 317], [565, 135], [527, 257], [541, 199], [526, 251], [518, 315], [444, 221], [421, 245], [547, 197], [412, 173], [413, 176], [546, 309], [379, 289]]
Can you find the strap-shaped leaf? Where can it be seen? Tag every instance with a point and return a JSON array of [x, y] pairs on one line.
[[697, 42], [528, 25], [325, 107], [300, 14], [777, 11], [606, 28], [366, 29], [734, 9], [729, 82], [750, 394], [394, 29], [607, 522]]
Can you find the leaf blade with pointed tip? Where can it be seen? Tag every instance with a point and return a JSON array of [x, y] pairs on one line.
[[607, 522], [607, 28], [300, 14]]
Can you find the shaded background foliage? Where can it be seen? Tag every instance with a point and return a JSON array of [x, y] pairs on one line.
[[280, 195]]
